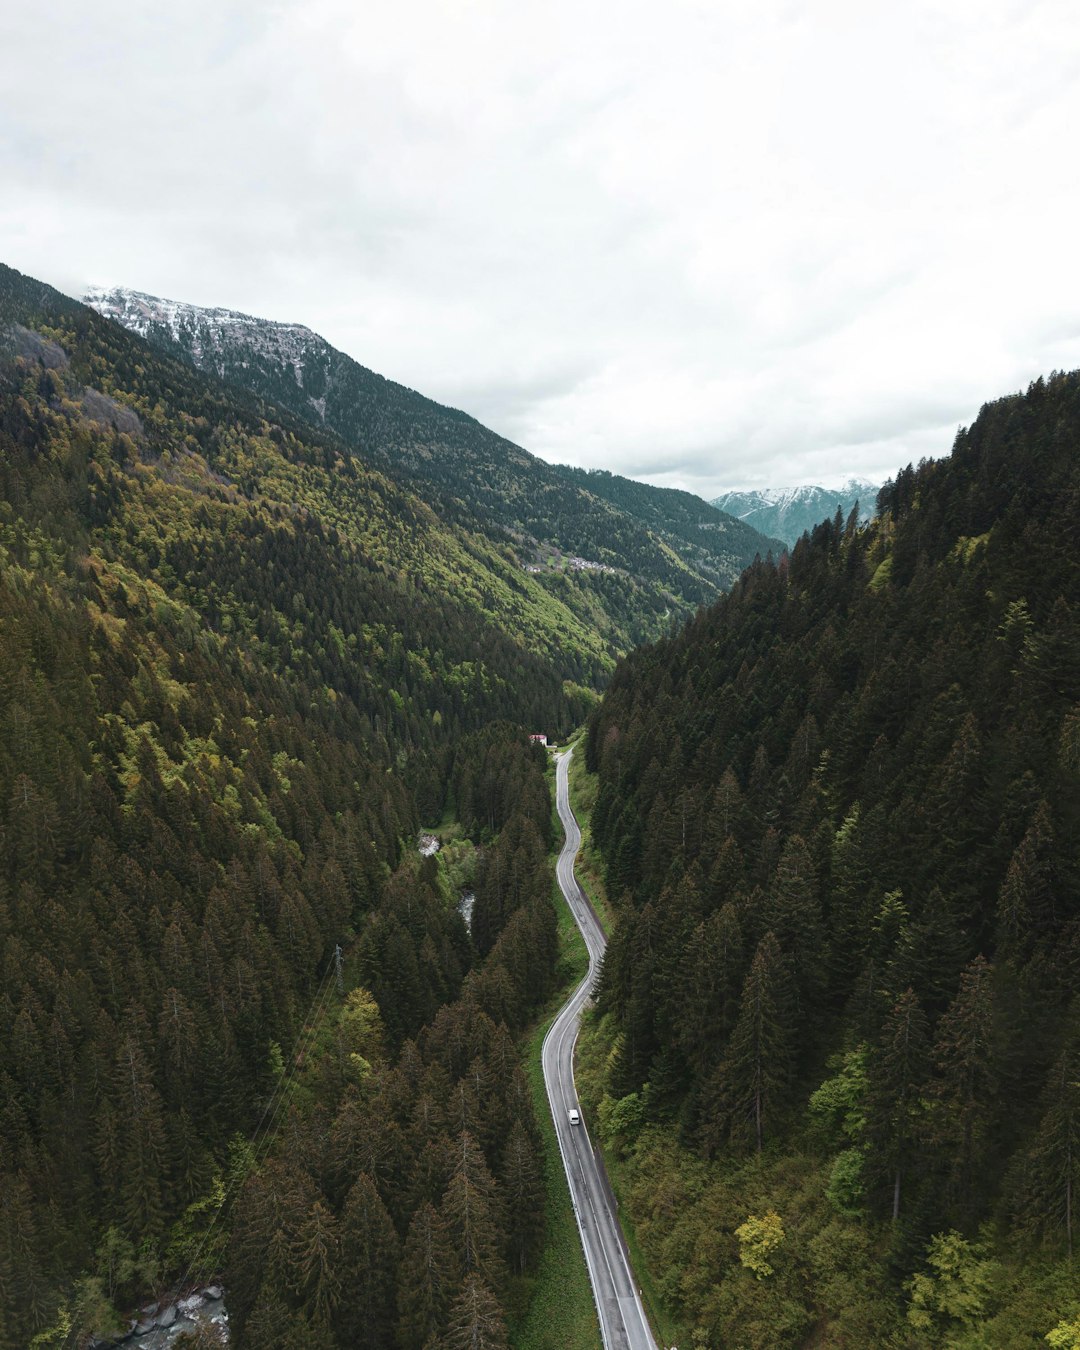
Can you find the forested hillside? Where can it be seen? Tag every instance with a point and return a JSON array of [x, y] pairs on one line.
[[840, 814], [238, 670], [468, 473], [704, 537], [406, 1202]]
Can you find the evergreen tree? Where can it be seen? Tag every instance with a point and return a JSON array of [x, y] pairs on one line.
[[471, 1212], [897, 1070], [966, 1058], [713, 967], [316, 1263], [521, 1183], [793, 913], [753, 1080], [428, 1275], [142, 1142], [1026, 903], [476, 1321], [369, 1261], [1044, 1192]]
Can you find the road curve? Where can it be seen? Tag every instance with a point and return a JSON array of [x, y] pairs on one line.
[[623, 1325]]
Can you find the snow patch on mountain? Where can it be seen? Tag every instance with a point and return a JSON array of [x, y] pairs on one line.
[[787, 512], [211, 336]]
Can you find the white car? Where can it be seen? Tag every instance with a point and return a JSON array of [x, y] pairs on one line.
[[575, 1118]]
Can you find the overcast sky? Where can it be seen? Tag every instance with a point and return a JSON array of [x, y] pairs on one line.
[[706, 244]]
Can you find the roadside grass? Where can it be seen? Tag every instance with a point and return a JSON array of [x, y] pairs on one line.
[[589, 869], [556, 827], [594, 1047], [593, 1051], [556, 1305], [668, 1331]]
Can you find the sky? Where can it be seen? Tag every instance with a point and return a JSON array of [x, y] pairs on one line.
[[709, 245]]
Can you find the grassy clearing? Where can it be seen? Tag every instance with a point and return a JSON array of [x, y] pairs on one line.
[[557, 1308]]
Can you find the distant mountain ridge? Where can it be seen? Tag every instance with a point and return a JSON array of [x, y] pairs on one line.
[[789, 512], [652, 565], [687, 522]]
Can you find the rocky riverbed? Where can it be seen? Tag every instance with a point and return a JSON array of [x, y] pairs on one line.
[[159, 1324]]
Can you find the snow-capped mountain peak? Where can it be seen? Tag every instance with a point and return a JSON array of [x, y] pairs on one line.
[[141, 313], [787, 512], [215, 339]]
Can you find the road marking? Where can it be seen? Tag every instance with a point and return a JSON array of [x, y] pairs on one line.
[[633, 1332]]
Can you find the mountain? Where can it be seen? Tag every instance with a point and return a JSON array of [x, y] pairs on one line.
[[448, 568], [631, 573], [790, 512], [839, 1035], [244, 1029], [700, 534]]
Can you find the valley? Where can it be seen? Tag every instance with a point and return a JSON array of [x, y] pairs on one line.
[[457, 893], [278, 639]]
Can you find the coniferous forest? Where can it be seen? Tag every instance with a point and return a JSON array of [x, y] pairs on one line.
[[840, 816], [245, 1029], [249, 1032]]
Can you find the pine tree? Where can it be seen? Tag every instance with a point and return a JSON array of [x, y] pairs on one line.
[[1026, 903], [178, 1035], [966, 1057], [142, 1141], [851, 879], [1049, 1173], [712, 971], [370, 1253], [793, 913], [753, 1079], [725, 818], [428, 1274], [316, 1261], [897, 1069], [271, 1208], [476, 1320], [522, 1186], [24, 1290], [471, 1211]]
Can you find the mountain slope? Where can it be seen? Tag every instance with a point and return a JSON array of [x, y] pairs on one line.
[[841, 812], [702, 536], [465, 470], [237, 671], [790, 512], [448, 570]]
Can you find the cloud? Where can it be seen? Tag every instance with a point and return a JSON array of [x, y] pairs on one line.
[[711, 244]]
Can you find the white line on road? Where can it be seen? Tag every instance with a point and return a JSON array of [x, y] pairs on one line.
[[623, 1324]]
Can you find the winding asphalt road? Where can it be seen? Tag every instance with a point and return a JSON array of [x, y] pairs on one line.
[[623, 1324]]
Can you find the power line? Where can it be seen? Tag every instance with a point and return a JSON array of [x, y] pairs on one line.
[[281, 1091], [332, 979]]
